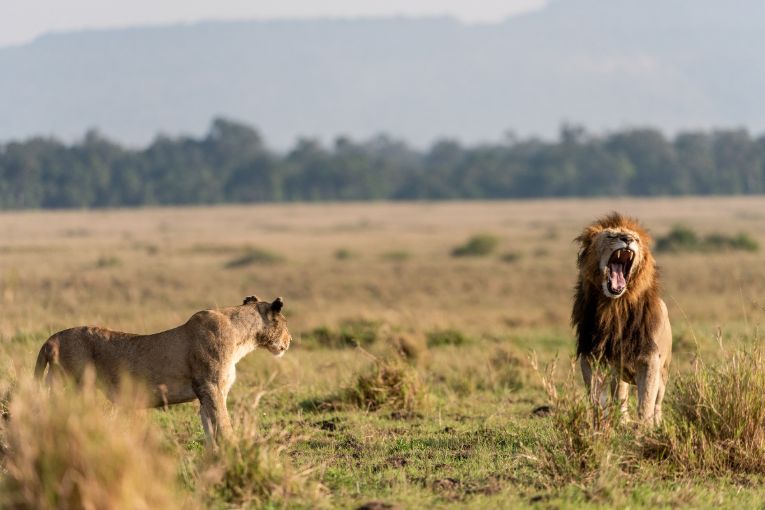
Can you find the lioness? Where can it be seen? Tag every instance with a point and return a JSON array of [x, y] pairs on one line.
[[618, 314], [196, 360]]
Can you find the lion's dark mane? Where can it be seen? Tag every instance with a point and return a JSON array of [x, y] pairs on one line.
[[614, 330]]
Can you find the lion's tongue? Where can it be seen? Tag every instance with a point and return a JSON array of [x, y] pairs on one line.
[[617, 277]]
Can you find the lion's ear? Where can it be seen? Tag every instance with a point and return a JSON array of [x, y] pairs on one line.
[[277, 305], [250, 299], [585, 241]]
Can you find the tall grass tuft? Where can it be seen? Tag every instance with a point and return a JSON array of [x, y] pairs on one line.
[[390, 383], [716, 417], [67, 450], [587, 444], [254, 470]]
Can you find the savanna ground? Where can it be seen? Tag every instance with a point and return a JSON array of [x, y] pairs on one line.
[[436, 408]]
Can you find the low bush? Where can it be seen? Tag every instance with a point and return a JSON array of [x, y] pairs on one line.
[[477, 246], [344, 254], [510, 257], [254, 256], [108, 261], [441, 337], [350, 333], [684, 239], [397, 255]]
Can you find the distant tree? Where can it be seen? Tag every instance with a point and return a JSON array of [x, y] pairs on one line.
[[231, 163]]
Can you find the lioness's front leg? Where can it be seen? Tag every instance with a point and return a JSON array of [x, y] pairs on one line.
[[213, 412], [649, 382]]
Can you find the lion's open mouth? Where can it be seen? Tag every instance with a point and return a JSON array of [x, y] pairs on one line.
[[619, 266]]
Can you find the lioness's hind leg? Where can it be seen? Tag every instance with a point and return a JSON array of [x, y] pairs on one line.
[[213, 412]]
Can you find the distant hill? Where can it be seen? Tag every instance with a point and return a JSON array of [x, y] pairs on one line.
[[670, 64]]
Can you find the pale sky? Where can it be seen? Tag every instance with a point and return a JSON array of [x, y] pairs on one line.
[[23, 20]]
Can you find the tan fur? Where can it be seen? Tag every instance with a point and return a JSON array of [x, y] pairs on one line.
[[196, 360], [630, 331]]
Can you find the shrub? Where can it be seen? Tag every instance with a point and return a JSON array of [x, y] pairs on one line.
[[397, 255], [391, 384], [477, 246], [511, 256], [443, 337], [680, 238], [254, 256], [108, 261], [344, 254], [683, 239], [740, 242], [350, 333], [65, 451]]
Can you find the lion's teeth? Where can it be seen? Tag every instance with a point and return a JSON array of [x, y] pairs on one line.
[[631, 255]]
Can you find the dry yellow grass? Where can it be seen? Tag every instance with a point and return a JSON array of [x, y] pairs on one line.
[[149, 269]]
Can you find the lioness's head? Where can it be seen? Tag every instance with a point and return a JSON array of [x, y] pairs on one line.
[[615, 255], [274, 335]]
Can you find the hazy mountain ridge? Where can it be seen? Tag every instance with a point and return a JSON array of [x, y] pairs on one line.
[[672, 65]]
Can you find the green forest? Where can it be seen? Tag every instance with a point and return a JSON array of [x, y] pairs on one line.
[[232, 164]]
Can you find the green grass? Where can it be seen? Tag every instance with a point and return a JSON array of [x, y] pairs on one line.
[[455, 429]]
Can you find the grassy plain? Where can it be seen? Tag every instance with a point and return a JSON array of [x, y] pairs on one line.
[[384, 275]]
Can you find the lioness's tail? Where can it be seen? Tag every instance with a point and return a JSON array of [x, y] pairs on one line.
[[48, 356]]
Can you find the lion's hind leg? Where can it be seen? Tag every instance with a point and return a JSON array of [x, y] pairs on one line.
[[659, 398], [213, 412], [650, 384]]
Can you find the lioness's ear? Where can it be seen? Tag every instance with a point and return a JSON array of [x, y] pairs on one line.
[[277, 305], [250, 299]]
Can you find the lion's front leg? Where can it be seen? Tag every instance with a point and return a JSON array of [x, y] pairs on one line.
[[586, 366], [213, 412], [620, 392], [649, 383]]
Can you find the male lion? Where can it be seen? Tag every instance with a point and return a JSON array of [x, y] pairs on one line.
[[196, 360], [618, 314]]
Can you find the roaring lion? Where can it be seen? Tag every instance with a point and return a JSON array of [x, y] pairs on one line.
[[196, 360], [620, 319]]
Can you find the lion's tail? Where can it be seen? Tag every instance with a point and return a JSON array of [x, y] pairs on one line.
[[48, 356]]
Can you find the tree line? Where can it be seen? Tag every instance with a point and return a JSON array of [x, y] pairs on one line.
[[231, 164]]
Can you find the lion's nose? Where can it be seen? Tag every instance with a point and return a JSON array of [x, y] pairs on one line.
[[626, 239]]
